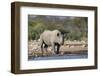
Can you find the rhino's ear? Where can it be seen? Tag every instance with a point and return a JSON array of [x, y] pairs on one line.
[[57, 34]]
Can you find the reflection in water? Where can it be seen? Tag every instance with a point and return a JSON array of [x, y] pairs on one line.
[[65, 56]]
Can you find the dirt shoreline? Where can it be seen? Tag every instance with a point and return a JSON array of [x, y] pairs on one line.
[[68, 48]]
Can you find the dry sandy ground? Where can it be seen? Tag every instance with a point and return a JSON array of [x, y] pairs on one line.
[[34, 49]]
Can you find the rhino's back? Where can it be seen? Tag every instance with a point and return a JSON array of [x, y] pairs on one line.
[[46, 37]]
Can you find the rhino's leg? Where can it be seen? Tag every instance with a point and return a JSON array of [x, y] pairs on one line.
[[46, 46], [58, 47], [53, 48], [41, 44]]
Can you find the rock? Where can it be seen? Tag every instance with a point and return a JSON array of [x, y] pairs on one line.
[[38, 40], [72, 46], [83, 42], [61, 53]]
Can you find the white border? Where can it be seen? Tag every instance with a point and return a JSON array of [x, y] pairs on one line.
[[25, 64]]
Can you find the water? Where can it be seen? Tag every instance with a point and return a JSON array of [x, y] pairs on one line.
[[65, 56]]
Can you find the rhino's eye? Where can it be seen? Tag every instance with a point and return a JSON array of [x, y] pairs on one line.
[[57, 34]]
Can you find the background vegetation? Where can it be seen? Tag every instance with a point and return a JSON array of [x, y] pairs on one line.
[[74, 28]]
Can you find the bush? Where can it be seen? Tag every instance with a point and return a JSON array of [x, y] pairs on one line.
[[74, 28]]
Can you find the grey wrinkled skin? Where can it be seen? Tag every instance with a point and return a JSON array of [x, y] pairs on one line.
[[51, 38]]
